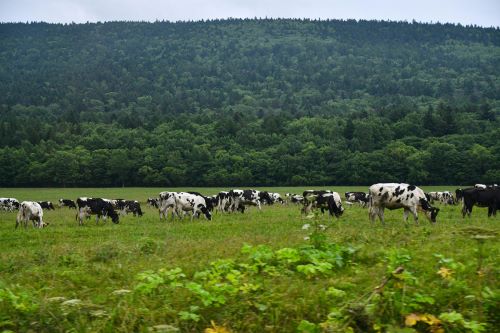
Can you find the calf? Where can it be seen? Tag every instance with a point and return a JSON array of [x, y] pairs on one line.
[[46, 205], [30, 211], [188, 202], [67, 203], [96, 206], [9, 204], [394, 196]]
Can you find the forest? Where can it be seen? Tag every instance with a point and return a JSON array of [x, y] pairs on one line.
[[248, 102]]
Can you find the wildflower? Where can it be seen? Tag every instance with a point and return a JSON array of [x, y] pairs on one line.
[[216, 329], [306, 238], [322, 227], [445, 273], [56, 299], [306, 226]]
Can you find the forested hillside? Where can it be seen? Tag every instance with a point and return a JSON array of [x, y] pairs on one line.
[[248, 103]]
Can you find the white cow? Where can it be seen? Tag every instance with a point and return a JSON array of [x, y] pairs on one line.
[[166, 202], [30, 211], [395, 195]]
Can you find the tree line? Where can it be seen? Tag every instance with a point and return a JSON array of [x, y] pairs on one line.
[[248, 103]]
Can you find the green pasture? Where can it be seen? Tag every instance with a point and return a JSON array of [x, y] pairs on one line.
[[43, 272]]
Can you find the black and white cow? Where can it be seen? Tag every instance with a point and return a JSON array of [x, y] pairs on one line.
[[95, 206], [153, 202], [46, 205], [67, 203], [488, 197], [324, 200], [129, 206], [396, 195], [296, 198], [189, 202], [241, 198], [30, 211], [445, 197], [9, 204], [276, 197], [209, 201], [361, 198], [166, 202]]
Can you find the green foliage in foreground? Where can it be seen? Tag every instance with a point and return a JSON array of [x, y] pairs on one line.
[[261, 271]]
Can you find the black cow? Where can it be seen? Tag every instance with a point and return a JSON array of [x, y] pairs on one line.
[[67, 203], [488, 197], [95, 206], [46, 205]]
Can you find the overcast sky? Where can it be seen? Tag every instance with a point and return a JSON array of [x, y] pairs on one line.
[[480, 12]]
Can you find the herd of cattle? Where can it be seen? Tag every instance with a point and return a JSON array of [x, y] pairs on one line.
[[380, 196]]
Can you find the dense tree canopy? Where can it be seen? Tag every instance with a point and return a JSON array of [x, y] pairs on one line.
[[248, 103]]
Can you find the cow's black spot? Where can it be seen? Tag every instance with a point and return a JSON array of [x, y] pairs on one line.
[[380, 190], [411, 187], [411, 196], [398, 201]]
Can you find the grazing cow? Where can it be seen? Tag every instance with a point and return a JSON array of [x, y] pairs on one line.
[[324, 200], [9, 204], [129, 206], [46, 205], [489, 197], [296, 198], [276, 197], [445, 197], [188, 202], [165, 203], [209, 201], [67, 203], [95, 206], [357, 197], [241, 198], [30, 211], [394, 196], [153, 202]]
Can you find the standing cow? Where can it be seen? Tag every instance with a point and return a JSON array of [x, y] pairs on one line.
[[30, 211], [67, 203], [394, 196], [188, 202]]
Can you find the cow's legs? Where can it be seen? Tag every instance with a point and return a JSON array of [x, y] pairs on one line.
[[372, 213], [415, 214], [405, 214], [381, 214]]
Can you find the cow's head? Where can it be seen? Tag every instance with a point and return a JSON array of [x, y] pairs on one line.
[[205, 211], [16, 205], [432, 214]]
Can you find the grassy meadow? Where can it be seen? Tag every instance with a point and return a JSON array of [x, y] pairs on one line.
[[252, 272]]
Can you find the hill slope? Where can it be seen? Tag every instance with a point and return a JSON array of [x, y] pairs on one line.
[[248, 102]]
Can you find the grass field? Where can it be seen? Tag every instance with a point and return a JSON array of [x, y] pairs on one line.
[[122, 278]]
